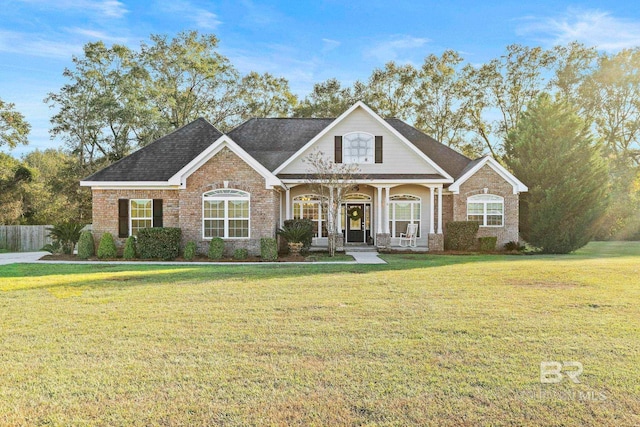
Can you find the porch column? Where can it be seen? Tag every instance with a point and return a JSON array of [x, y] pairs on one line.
[[379, 210], [440, 209], [432, 207], [387, 216], [287, 203]]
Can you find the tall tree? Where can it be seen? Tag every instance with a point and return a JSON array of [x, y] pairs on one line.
[[390, 90], [330, 99], [264, 95], [552, 152], [14, 129], [14, 177]]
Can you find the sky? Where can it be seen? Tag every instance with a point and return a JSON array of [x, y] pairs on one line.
[[306, 42]]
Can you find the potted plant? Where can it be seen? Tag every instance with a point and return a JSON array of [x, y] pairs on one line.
[[296, 234]]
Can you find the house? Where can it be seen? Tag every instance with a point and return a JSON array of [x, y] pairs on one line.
[[242, 185]]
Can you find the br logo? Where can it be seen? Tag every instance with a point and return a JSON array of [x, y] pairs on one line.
[[552, 372]]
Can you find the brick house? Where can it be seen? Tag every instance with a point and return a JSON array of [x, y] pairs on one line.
[[242, 185]]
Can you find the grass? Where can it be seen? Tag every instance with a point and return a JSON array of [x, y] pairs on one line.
[[424, 340]]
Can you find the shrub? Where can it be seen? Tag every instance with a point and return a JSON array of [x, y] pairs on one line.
[[107, 247], [240, 254], [298, 231], [129, 248], [86, 245], [268, 249], [487, 244], [461, 235], [66, 234], [160, 243], [189, 251], [513, 246], [216, 248]]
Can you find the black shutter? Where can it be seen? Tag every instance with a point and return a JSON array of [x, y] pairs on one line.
[[378, 149], [157, 213], [123, 217], [338, 149]]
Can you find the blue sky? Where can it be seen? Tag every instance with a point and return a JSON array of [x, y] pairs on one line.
[[303, 41]]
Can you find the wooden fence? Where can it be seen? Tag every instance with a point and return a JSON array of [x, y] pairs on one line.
[[23, 238]]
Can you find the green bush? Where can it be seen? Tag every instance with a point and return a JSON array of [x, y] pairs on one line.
[[86, 245], [487, 244], [189, 251], [107, 247], [159, 243], [268, 249], [66, 234], [460, 235], [216, 248], [513, 246], [240, 254], [298, 231], [129, 248]]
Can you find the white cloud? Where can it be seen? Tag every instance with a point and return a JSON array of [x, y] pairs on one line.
[[106, 8], [329, 45], [390, 50], [590, 27], [202, 18], [99, 35], [37, 45]]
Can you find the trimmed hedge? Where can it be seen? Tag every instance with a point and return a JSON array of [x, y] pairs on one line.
[[487, 244], [268, 249], [129, 248], [162, 243], [216, 248], [302, 223], [461, 235], [240, 254], [86, 245], [107, 247], [189, 251]]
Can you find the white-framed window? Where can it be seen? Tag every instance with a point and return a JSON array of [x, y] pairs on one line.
[[404, 209], [358, 147], [487, 209], [225, 213], [140, 215], [310, 206]]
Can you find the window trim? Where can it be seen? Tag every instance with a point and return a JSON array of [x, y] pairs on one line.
[[406, 198], [314, 199], [484, 200], [372, 146], [131, 217], [226, 195]]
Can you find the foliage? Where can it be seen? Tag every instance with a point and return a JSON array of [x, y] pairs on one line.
[[129, 251], [14, 129], [513, 246], [216, 248], [159, 243], [190, 250], [567, 191], [460, 235], [53, 247], [86, 245], [15, 177], [329, 99], [268, 249], [264, 95], [66, 234], [107, 247], [297, 231], [240, 254], [487, 243]]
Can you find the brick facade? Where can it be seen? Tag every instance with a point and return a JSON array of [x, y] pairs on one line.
[[183, 208]]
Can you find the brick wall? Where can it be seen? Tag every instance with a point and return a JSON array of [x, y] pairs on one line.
[[486, 177]]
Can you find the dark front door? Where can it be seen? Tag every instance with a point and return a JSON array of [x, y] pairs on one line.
[[355, 222]]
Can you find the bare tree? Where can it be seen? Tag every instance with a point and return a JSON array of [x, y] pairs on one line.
[[332, 182]]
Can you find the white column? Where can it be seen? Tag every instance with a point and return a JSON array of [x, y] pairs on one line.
[[440, 210], [432, 207], [287, 203], [387, 216], [379, 210]]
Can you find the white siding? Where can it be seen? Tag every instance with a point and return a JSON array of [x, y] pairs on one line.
[[396, 156]]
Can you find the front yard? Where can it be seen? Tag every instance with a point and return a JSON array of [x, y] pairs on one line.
[[424, 340]]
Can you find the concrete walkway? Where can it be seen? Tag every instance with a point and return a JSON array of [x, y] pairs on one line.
[[31, 257]]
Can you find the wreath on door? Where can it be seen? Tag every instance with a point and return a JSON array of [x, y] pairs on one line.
[[355, 213]]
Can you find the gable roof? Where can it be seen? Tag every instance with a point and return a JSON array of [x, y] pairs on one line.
[[163, 158], [477, 164]]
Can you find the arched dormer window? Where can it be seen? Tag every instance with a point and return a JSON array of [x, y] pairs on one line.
[[358, 147], [487, 209], [225, 213]]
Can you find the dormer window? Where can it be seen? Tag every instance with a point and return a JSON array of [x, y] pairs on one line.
[[358, 147]]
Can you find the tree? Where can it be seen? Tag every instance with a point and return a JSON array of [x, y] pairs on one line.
[[331, 182], [14, 129], [390, 90], [264, 95], [552, 151], [14, 177], [329, 99]]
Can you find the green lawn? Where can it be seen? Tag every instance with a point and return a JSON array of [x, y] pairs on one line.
[[424, 340]]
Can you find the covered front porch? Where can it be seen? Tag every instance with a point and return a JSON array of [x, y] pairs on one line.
[[376, 214]]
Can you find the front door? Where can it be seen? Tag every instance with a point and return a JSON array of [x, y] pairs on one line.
[[355, 222]]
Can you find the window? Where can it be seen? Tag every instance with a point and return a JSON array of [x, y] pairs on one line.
[[225, 214], [404, 209], [309, 206], [140, 215], [358, 148], [487, 209]]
